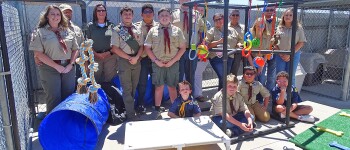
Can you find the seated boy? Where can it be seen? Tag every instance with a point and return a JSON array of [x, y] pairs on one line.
[[184, 106], [239, 119], [249, 89], [279, 100]]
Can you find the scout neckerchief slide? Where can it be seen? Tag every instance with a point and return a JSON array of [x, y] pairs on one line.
[[128, 39]]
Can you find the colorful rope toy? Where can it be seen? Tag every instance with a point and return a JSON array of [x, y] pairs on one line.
[[202, 52], [259, 61], [93, 67]]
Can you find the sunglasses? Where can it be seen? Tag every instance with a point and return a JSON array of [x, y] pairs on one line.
[[215, 20], [269, 10], [101, 10], [147, 11], [249, 74], [235, 15]]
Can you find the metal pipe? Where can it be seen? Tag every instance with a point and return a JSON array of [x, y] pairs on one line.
[[190, 18], [224, 60], [289, 87], [329, 31], [345, 90], [7, 103]]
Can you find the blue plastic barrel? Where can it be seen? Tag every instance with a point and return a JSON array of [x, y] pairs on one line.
[[75, 123]]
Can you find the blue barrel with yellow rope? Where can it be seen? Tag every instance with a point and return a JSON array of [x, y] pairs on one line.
[[75, 123]]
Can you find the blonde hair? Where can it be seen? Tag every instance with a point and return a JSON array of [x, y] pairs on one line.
[[232, 78], [44, 21], [283, 23], [257, 22]]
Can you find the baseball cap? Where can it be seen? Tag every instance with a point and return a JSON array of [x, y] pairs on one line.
[[64, 7]]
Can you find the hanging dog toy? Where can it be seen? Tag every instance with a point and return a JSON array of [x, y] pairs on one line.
[[82, 81], [248, 35], [194, 36], [93, 68], [202, 49], [260, 61]]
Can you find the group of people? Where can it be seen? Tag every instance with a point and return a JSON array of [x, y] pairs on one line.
[[133, 51]]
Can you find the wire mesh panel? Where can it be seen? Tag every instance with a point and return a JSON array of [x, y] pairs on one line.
[[325, 53], [18, 70], [2, 135]]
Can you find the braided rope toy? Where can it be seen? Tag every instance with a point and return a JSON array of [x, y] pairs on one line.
[[86, 46]]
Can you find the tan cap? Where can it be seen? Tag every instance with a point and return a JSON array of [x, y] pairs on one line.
[[64, 7]]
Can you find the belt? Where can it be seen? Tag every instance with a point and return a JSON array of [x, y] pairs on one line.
[[62, 62], [132, 55], [106, 50]]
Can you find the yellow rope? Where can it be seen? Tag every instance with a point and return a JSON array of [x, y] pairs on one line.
[[182, 109]]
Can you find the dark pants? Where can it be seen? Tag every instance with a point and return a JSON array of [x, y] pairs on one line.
[[146, 69], [187, 67], [218, 66], [235, 129]]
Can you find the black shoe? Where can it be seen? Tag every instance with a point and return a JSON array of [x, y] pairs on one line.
[[161, 109], [141, 109]]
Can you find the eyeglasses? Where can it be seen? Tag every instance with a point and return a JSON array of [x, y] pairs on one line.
[[249, 74], [215, 20], [269, 10], [101, 10], [282, 81], [147, 11], [235, 15]]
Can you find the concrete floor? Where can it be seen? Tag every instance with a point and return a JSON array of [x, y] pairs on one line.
[[112, 137]]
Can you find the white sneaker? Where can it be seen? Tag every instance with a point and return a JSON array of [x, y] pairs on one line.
[[282, 115], [228, 133], [307, 118]]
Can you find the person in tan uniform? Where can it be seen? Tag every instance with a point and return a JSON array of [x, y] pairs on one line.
[[180, 18], [165, 44], [249, 89], [127, 43], [55, 45], [234, 23], [239, 119], [284, 30], [145, 24], [214, 38]]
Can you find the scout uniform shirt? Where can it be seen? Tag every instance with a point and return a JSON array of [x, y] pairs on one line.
[[286, 36], [214, 34], [100, 35], [178, 20], [119, 42], [155, 39], [239, 28], [257, 88], [45, 40], [275, 93], [191, 107], [78, 33], [237, 101], [145, 29], [265, 41]]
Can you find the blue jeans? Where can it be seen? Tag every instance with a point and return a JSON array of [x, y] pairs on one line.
[[218, 66], [146, 68], [270, 77], [187, 67], [284, 66], [235, 129]]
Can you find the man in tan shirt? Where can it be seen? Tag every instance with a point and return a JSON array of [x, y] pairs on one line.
[[165, 44], [234, 23], [249, 89], [239, 119], [129, 65]]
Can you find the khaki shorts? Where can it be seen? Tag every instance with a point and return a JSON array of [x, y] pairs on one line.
[[163, 75]]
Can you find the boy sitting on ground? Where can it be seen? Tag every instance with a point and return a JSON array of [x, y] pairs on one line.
[[239, 119], [279, 100], [184, 106]]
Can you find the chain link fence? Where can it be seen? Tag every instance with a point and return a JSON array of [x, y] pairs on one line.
[[326, 52]]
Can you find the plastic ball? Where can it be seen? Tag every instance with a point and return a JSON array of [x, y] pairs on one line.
[[259, 62], [202, 49], [256, 42]]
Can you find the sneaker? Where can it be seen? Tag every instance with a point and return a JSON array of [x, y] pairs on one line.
[[282, 115], [141, 109], [228, 133], [307, 118], [201, 99], [159, 116], [161, 109]]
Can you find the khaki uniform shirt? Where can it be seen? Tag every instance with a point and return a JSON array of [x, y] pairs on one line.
[[178, 19], [142, 25], [257, 88], [44, 40], [155, 39], [116, 40], [239, 28], [286, 37], [78, 33], [215, 34], [265, 42], [238, 104]]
